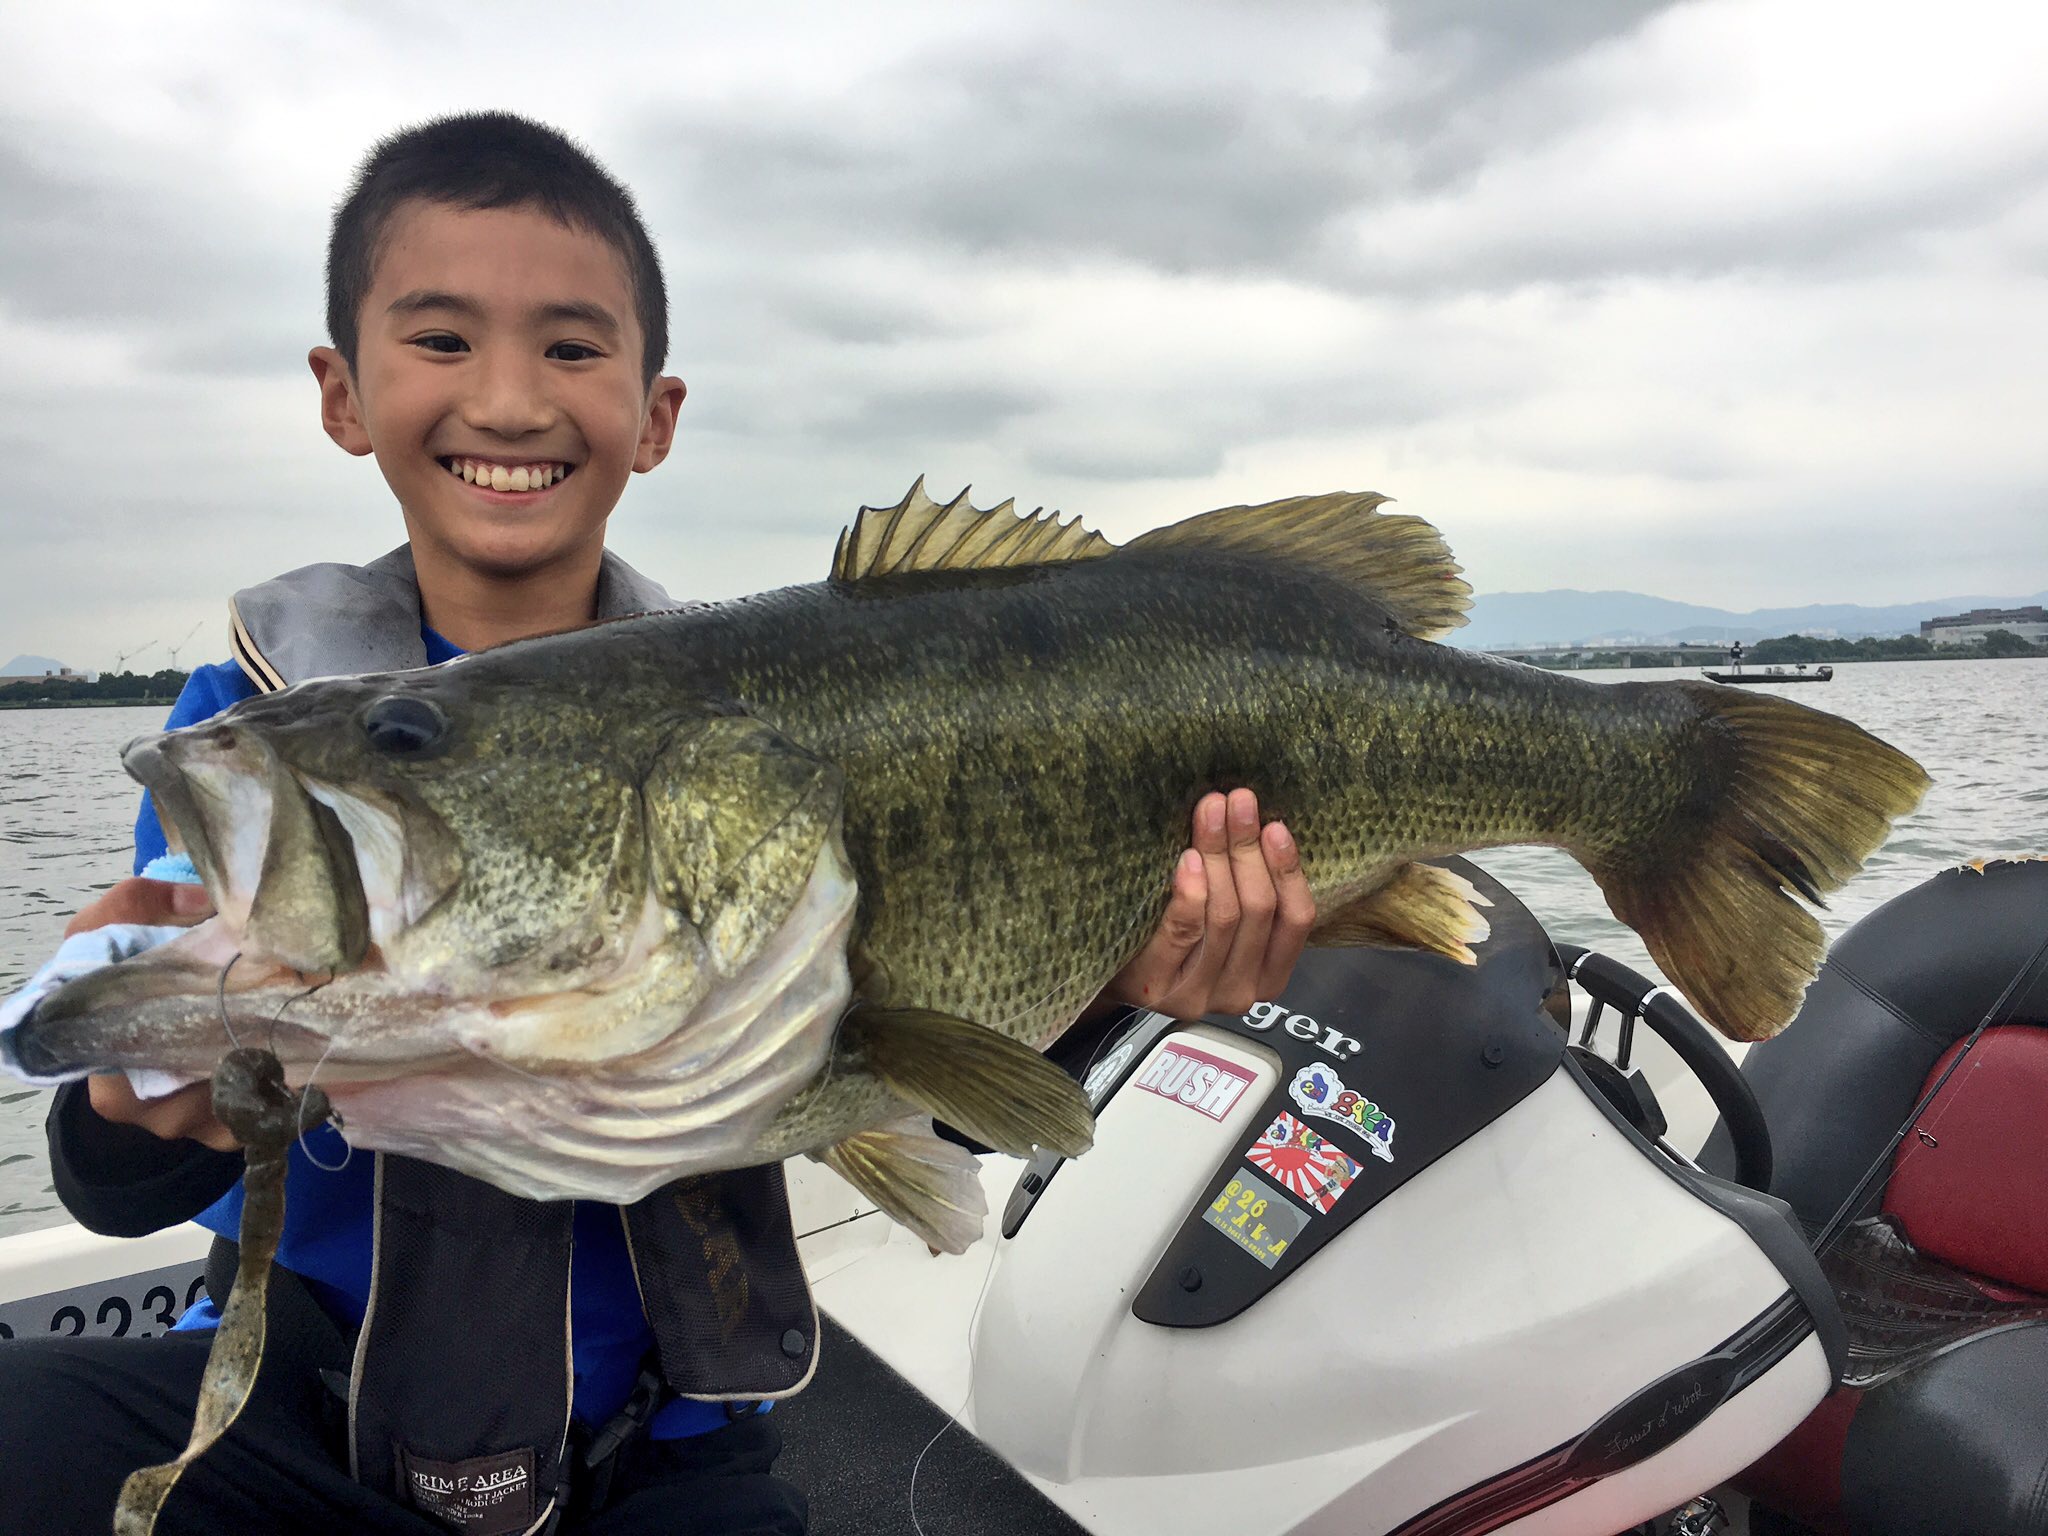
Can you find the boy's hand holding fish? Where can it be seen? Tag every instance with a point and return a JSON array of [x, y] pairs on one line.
[[187, 1112], [1238, 919]]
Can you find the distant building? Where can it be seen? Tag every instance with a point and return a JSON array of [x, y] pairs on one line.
[[2030, 623], [64, 674]]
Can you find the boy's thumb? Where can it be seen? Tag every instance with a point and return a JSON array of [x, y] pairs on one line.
[[189, 900]]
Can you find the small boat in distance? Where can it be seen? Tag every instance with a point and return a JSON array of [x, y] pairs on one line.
[[1820, 674]]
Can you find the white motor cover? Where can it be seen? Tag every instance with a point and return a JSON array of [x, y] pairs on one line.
[[1494, 1307]]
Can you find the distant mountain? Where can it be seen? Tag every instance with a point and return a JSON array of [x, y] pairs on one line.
[[30, 666], [1501, 619]]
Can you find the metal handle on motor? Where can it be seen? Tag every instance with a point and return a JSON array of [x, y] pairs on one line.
[[1610, 981]]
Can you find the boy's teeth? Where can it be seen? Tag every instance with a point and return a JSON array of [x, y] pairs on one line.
[[499, 477]]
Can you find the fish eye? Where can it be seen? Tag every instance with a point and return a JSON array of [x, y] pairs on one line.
[[405, 725]]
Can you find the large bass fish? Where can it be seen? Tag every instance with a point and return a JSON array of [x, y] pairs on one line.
[[710, 888]]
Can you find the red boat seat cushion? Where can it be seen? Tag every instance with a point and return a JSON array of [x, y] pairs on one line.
[[1977, 1198]]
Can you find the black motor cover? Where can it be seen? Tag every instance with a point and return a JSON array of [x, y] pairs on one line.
[[1425, 1051]]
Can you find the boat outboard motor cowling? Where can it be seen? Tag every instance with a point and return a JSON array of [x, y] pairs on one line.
[[1377, 1257]]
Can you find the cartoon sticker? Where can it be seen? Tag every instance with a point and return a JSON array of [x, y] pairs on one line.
[[1318, 1090], [1195, 1078], [1303, 1163], [1107, 1071], [1252, 1215]]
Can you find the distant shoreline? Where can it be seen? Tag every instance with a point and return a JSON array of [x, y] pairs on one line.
[[1618, 661], [83, 703], [116, 690]]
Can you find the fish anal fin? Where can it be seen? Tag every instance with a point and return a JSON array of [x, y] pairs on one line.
[[1419, 907], [996, 1090], [1398, 561], [919, 534], [932, 1186]]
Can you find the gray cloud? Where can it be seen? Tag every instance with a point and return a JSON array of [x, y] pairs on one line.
[[935, 411], [194, 279], [1050, 156], [1499, 261]]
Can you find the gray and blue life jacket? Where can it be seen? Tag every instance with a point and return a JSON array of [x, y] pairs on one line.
[[441, 1411]]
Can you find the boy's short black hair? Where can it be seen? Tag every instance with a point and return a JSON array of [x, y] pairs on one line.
[[488, 160]]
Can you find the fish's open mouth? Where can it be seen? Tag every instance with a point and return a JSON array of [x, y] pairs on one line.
[[309, 882], [303, 874]]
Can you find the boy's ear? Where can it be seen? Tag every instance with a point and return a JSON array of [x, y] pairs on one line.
[[658, 430], [339, 412]]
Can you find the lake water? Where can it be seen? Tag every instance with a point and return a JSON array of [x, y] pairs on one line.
[[1979, 727]]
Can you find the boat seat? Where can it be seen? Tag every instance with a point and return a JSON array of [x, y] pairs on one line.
[[1957, 1444]]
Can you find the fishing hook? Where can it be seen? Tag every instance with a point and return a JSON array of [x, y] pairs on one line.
[[221, 996]]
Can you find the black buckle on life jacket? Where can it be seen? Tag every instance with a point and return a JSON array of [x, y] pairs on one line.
[[601, 1457]]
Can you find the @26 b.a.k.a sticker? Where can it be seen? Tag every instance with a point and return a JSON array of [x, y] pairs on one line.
[[1255, 1216], [1307, 1166]]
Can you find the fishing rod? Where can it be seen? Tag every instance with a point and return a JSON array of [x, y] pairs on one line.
[[1845, 1213]]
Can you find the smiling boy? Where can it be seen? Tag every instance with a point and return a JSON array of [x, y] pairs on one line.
[[499, 325], [503, 367]]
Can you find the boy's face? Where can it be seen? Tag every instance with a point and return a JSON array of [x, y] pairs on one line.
[[497, 347]]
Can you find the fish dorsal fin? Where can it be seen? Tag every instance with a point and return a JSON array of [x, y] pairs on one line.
[[919, 534], [1401, 562]]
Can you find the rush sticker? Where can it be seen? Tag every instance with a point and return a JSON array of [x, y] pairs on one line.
[[1303, 1163], [1318, 1090], [1252, 1215], [1194, 1078]]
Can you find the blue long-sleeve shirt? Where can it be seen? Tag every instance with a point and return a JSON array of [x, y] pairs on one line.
[[329, 1192]]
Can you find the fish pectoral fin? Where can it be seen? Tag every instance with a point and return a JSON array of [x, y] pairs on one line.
[[1399, 562], [1420, 907], [996, 1090], [932, 1186]]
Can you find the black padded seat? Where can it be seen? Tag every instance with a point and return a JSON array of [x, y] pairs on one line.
[[1955, 1447], [1897, 990]]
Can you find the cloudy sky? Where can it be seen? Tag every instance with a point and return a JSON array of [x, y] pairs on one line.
[[1740, 302]]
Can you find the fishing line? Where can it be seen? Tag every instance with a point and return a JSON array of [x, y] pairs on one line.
[[1839, 1222], [270, 1040], [348, 1150], [954, 1417], [221, 996]]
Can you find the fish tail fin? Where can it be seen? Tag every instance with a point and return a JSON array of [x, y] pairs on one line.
[[1797, 799]]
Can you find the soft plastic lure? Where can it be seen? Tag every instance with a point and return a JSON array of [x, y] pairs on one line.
[[250, 1098]]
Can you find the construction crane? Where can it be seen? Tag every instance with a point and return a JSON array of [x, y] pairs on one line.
[[121, 657], [182, 642]]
